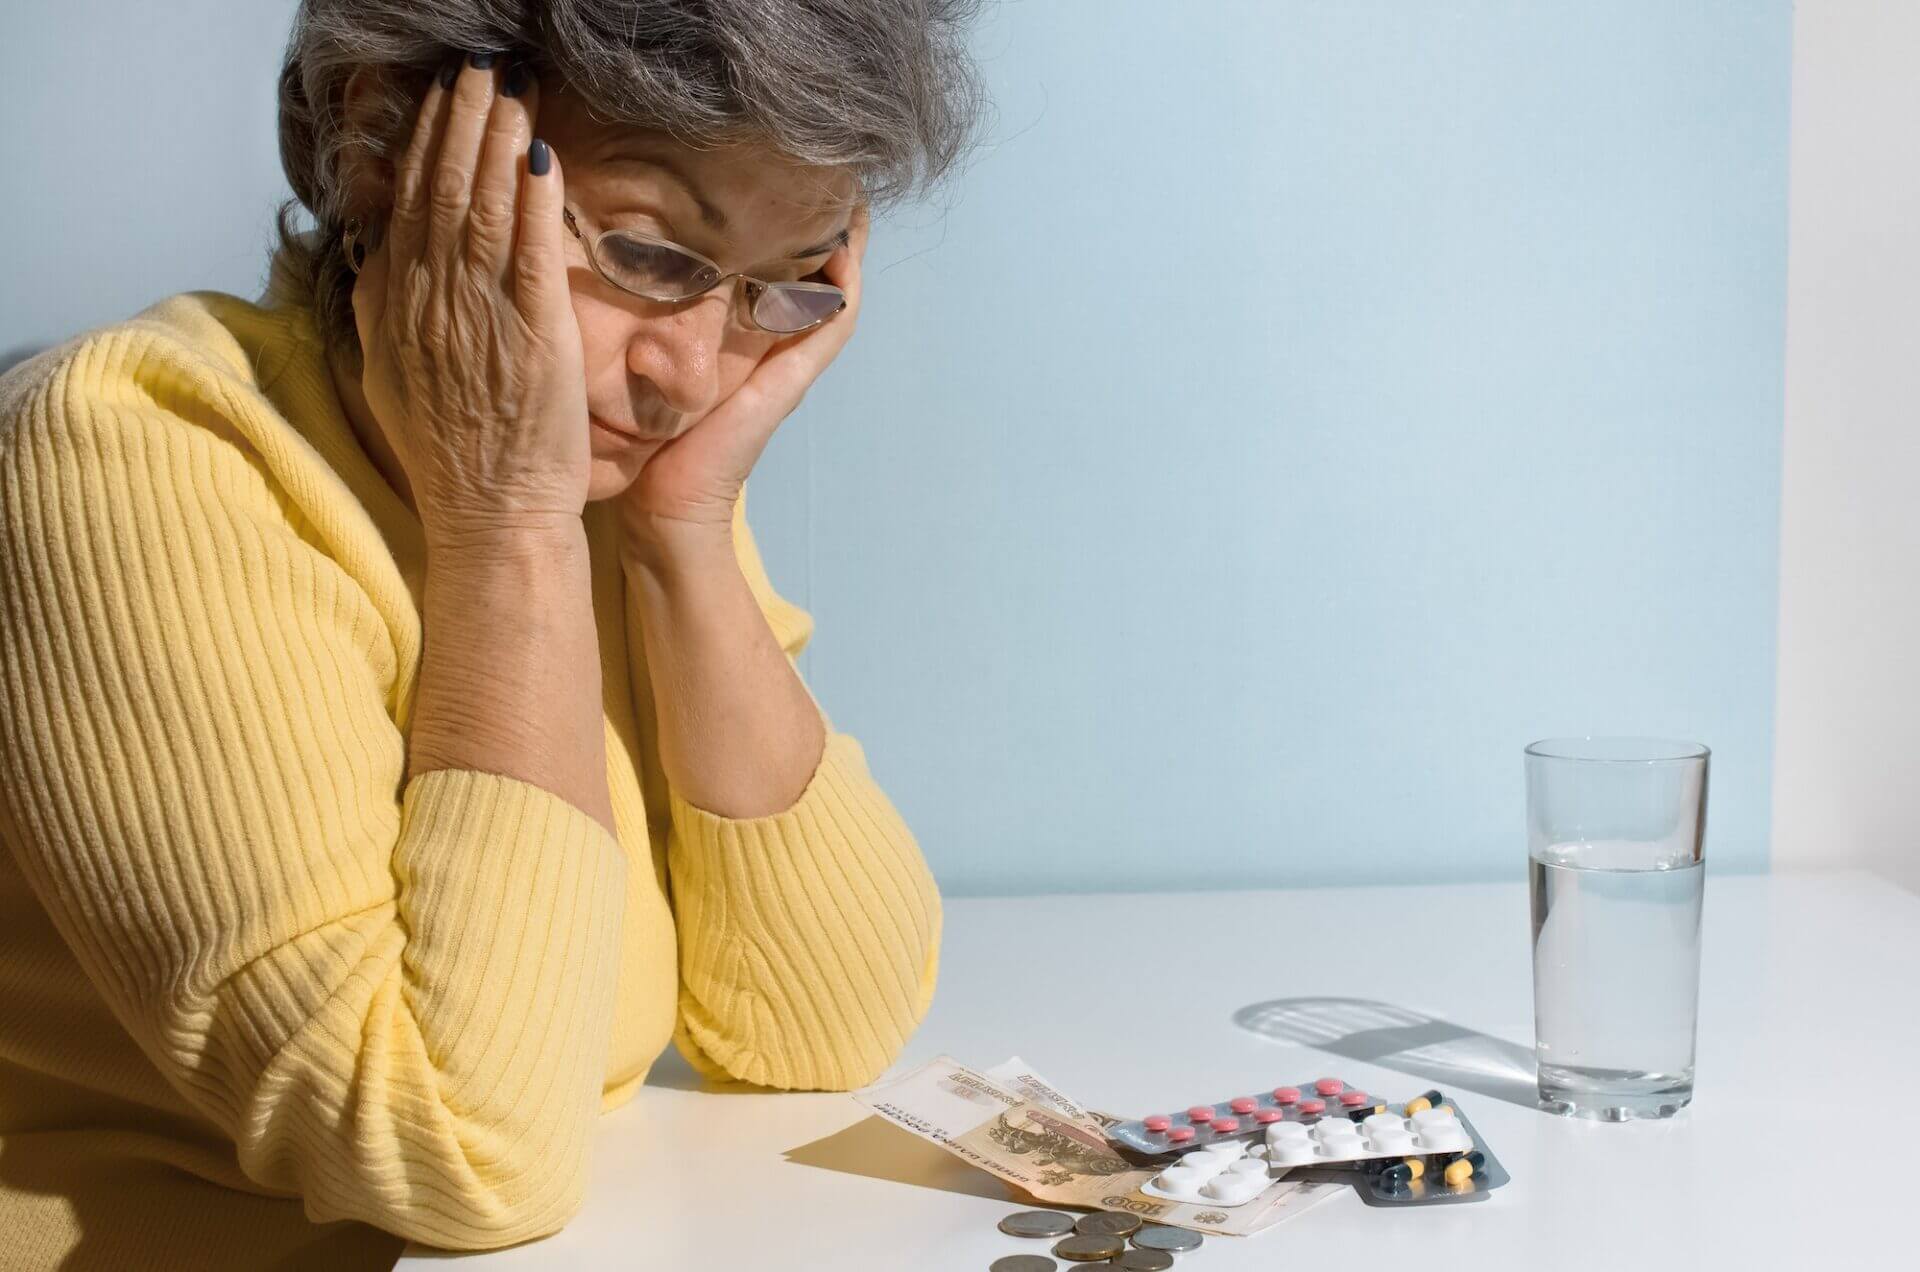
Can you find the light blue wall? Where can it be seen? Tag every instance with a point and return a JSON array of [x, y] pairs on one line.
[[140, 158], [1303, 406]]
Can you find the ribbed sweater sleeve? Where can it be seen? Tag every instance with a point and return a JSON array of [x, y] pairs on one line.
[[395, 999], [809, 939]]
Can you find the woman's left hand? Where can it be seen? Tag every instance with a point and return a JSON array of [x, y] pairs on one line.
[[690, 485]]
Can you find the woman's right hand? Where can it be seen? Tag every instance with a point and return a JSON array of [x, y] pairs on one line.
[[472, 357]]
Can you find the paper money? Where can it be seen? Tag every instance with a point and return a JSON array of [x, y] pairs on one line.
[[1018, 1127]]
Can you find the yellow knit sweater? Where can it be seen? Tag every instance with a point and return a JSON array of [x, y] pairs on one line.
[[246, 969]]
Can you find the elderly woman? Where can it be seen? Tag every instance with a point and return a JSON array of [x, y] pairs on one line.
[[399, 735]]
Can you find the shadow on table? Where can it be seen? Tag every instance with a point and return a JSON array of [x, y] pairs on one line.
[[872, 1146], [671, 1071], [1409, 1042], [878, 1149]]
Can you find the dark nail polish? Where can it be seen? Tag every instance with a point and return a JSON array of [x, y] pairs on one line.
[[539, 158], [515, 81], [481, 61], [450, 72]]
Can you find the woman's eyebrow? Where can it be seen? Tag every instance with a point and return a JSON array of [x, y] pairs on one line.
[[716, 219], [830, 245]]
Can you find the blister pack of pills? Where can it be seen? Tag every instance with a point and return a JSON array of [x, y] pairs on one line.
[[1382, 1134], [1418, 1152], [1225, 1175], [1417, 1178], [1467, 1176], [1245, 1117]]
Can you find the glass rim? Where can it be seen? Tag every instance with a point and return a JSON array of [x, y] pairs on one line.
[[1594, 750]]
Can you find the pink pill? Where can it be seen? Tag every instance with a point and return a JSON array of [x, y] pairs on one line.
[[1180, 1134], [1226, 1126], [1287, 1095], [1328, 1086], [1245, 1104], [1313, 1106], [1267, 1115], [1353, 1099], [1158, 1122], [1200, 1113]]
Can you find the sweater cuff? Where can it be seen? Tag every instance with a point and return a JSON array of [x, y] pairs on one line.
[[809, 938], [838, 795]]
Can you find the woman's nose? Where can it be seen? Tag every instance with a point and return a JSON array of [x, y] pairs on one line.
[[678, 351]]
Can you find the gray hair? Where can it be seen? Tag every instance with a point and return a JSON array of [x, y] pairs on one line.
[[884, 87]]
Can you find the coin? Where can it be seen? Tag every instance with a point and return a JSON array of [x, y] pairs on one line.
[[1107, 1223], [1173, 1240], [1086, 1249], [1023, 1263], [1037, 1223], [1144, 1261]]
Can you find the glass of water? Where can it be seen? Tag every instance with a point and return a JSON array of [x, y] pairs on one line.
[[1616, 831]]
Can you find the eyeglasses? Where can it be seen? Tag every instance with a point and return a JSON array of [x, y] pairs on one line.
[[654, 269]]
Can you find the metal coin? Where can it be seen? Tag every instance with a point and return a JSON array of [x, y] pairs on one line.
[[1023, 1263], [1173, 1240], [1144, 1261], [1107, 1223], [1037, 1223], [1086, 1249]]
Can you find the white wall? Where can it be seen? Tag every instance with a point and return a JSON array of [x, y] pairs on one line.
[[1849, 691]]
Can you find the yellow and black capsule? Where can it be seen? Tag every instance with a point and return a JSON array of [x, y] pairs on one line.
[[1421, 1103], [1416, 1167], [1463, 1168], [1397, 1175]]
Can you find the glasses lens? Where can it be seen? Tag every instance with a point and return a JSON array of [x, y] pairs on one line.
[[659, 271], [796, 306]]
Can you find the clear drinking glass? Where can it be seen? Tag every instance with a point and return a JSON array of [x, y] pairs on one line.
[[1616, 831]]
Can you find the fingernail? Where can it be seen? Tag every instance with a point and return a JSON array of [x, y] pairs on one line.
[[515, 81], [450, 72], [480, 61], [539, 158]]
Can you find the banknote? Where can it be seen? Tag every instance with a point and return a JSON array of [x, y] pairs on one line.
[[1020, 1128]]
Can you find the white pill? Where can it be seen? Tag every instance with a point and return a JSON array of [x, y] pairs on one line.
[[1248, 1166], [1179, 1179], [1391, 1139], [1287, 1133], [1378, 1120], [1444, 1139], [1292, 1154], [1231, 1149], [1325, 1130], [1207, 1161], [1427, 1117], [1231, 1190], [1340, 1147]]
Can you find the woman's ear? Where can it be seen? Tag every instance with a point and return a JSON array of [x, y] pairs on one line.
[[372, 107]]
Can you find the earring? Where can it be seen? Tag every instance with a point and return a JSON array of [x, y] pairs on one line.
[[349, 242]]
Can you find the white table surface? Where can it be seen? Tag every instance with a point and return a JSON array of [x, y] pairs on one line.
[[1809, 1024]]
